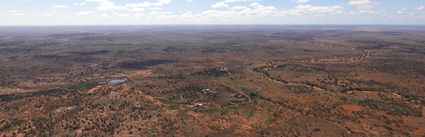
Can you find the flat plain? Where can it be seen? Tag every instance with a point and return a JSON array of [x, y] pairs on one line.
[[212, 81]]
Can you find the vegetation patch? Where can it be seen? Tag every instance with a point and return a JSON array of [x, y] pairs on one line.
[[216, 72], [74, 58], [49, 92], [391, 107], [301, 89], [142, 64], [252, 93]]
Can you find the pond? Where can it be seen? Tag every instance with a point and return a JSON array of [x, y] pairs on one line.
[[116, 81]]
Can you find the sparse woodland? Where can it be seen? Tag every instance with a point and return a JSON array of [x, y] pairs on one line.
[[274, 81]]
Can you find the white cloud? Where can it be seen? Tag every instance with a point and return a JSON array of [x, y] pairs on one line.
[[362, 12], [225, 3], [234, 1], [104, 15], [80, 3], [13, 11], [160, 14], [234, 9], [420, 8], [238, 8], [301, 1], [310, 9], [85, 12], [123, 15], [106, 5], [16, 13], [238, 11], [47, 15], [109, 6], [256, 10], [415, 12], [362, 4], [220, 5], [59, 6], [147, 4]]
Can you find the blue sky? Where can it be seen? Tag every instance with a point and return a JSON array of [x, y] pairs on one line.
[[122, 12]]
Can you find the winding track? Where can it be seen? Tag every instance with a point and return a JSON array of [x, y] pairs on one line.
[[351, 60], [272, 65]]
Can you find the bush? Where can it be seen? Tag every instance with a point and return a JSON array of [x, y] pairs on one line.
[[252, 93]]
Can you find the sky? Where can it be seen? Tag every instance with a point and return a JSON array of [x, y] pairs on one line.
[[139, 12]]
